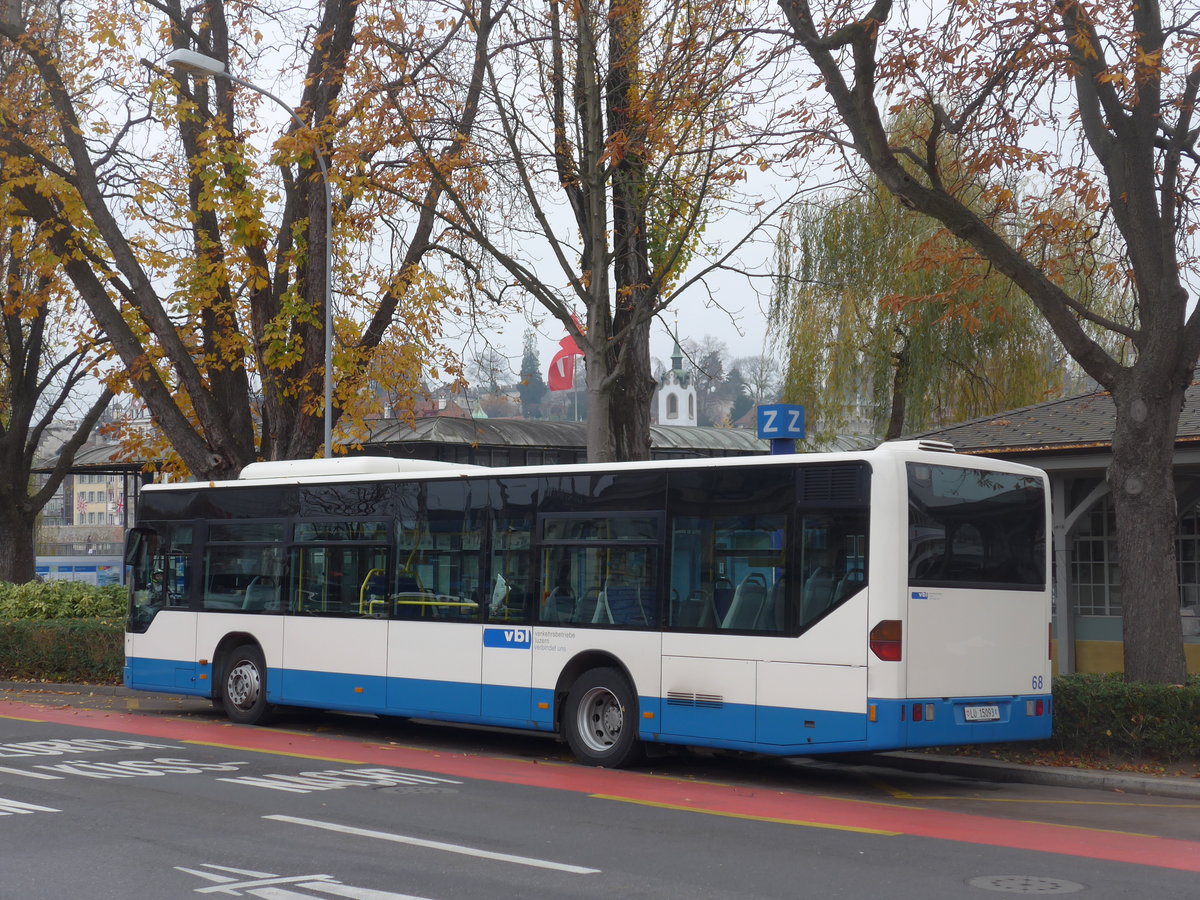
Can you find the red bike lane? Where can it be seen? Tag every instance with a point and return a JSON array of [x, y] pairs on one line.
[[783, 807]]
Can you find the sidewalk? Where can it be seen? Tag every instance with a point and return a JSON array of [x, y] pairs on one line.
[[906, 760]]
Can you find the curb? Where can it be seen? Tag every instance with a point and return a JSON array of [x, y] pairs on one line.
[[1051, 776], [56, 687]]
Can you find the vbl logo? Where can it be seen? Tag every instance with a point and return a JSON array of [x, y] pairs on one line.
[[519, 638]]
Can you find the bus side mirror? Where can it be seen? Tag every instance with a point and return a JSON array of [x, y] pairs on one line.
[[138, 546]]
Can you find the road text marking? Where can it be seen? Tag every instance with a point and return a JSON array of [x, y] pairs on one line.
[[266, 885], [17, 808]]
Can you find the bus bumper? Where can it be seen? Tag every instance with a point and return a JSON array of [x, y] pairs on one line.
[[936, 721]]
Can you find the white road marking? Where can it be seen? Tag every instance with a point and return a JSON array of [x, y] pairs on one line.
[[17, 808], [266, 885], [337, 890], [31, 774], [224, 879], [436, 845]]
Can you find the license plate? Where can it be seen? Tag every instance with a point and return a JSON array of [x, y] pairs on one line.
[[981, 713]]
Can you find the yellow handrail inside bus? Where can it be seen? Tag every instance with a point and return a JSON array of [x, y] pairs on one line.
[[363, 608]]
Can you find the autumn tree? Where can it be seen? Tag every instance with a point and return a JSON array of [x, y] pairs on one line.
[[611, 133], [197, 243], [47, 377], [1092, 106], [886, 325], [47, 361]]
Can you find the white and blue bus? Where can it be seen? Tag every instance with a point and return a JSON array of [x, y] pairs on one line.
[[784, 604]]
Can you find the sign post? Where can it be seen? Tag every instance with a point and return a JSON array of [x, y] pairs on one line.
[[782, 424]]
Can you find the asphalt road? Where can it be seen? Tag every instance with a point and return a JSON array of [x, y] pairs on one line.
[[108, 795]]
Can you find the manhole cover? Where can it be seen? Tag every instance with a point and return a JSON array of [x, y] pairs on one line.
[[1025, 884]]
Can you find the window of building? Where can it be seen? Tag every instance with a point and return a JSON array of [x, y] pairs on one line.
[[672, 406], [1187, 551], [1095, 576]]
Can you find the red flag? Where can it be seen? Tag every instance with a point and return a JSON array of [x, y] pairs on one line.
[[561, 376]]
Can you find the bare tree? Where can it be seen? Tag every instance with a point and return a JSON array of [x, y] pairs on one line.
[[611, 132], [1119, 84]]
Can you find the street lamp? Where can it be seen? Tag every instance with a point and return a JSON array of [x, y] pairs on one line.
[[194, 63]]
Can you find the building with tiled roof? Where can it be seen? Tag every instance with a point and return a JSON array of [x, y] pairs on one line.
[[1071, 438]]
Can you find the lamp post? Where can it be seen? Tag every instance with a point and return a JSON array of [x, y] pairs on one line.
[[199, 64]]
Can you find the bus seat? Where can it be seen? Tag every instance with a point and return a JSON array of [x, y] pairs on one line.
[[620, 604], [817, 594], [747, 603], [602, 614], [585, 609], [773, 617], [850, 583], [262, 593], [696, 611], [559, 606]]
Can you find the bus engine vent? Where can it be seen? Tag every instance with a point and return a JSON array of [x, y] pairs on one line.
[[686, 698], [836, 484]]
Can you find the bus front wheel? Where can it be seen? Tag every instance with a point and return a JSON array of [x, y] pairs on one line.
[[244, 686], [600, 720]]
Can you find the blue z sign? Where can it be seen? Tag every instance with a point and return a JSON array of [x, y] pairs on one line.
[[778, 421], [514, 638]]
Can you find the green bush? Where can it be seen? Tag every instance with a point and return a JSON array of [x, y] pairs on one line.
[[90, 651], [61, 600], [1103, 714]]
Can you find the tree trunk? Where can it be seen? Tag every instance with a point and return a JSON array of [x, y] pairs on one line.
[[17, 551], [600, 446], [629, 397], [1143, 489], [895, 426]]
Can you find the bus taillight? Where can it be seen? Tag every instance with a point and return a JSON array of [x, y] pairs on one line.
[[885, 640]]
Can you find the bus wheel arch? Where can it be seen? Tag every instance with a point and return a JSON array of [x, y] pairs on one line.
[[240, 676], [596, 706]]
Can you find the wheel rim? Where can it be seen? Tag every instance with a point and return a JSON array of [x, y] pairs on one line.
[[600, 719], [243, 687]]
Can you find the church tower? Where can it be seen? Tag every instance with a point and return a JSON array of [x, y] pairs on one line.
[[675, 403]]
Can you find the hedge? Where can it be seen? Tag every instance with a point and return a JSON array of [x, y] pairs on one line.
[[64, 631], [88, 651], [62, 600], [1102, 714]]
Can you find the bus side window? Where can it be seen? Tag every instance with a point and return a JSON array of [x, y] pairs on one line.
[[833, 563]]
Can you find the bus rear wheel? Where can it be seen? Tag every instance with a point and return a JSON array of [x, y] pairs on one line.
[[600, 720], [244, 686]]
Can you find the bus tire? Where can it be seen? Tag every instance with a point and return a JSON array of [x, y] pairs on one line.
[[244, 686], [600, 720]]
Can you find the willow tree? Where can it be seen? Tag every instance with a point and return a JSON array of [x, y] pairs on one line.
[[887, 326], [196, 240], [1092, 106], [611, 132]]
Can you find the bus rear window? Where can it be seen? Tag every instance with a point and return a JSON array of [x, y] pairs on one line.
[[975, 528]]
